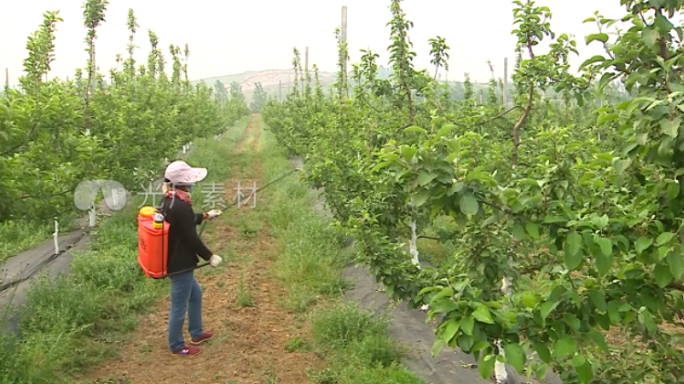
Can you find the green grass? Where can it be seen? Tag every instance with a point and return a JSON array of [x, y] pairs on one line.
[[74, 323], [358, 348], [19, 236], [355, 342], [245, 297]]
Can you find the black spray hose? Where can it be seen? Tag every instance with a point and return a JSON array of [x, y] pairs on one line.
[[229, 206]]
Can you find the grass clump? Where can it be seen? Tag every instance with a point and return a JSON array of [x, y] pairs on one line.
[[357, 347]]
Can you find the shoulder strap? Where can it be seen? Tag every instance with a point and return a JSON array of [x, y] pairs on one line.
[[163, 207]]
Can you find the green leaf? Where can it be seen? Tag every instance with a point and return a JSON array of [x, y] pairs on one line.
[[676, 263], [486, 366], [662, 275], [672, 190], [445, 293], [407, 152], [543, 352], [468, 204], [604, 260], [443, 306], [491, 219], [528, 299], [532, 230], [603, 264], [614, 312], [550, 219], [421, 197], [382, 165], [541, 371], [450, 330], [515, 356], [424, 178], [646, 319], [573, 256], [642, 244], [547, 308], [664, 237], [483, 315], [663, 24], [480, 345], [602, 119], [467, 325], [621, 165], [565, 346], [664, 250], [599, 339], [572, 321], [670, 127], [437, 347], [455, 188], [416, 129], [605, 244], [602, 37], [592, 60], [465, 342], [598, 298], [577, 360], [518, 231], [600, 222], [605, 79], [585, 372], [445, 130], [649, 36]]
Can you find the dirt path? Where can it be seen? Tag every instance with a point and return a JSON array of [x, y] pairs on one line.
[[241, 304]]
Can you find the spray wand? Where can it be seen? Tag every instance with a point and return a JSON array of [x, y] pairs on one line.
[[228, 207]]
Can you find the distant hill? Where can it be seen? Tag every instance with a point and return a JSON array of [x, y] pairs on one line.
[[280, 81], [272, 80]]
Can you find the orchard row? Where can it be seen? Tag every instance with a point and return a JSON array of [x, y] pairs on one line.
[[551, 228], [56, 134]]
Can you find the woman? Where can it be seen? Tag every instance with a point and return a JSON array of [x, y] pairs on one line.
[[184, 247]]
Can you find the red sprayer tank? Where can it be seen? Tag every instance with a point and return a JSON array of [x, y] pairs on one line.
[[152, 243]]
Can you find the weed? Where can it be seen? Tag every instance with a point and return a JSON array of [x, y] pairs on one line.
[[295, 344], [245, 298]]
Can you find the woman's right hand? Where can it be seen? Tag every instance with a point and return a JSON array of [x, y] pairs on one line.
[[215, 260], [212, 214]]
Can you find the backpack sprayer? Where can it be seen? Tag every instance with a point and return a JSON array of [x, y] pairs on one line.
[[153, 231]]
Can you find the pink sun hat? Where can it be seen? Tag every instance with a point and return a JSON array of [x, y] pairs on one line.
[[179, 173]]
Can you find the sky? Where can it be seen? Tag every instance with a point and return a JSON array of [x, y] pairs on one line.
[[228, 37]]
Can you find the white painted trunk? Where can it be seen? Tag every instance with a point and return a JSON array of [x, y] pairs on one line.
[[92, 216], [413, 249], [500, 368], [413, 243], [500, 371], [55, 236]]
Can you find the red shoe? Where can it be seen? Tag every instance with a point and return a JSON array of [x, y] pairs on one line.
[[205, 336], [187, 350]]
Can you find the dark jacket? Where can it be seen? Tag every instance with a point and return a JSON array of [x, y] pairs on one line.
[[184, 242]]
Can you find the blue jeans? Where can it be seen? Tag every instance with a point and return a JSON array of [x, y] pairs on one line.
[[186, 296]]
